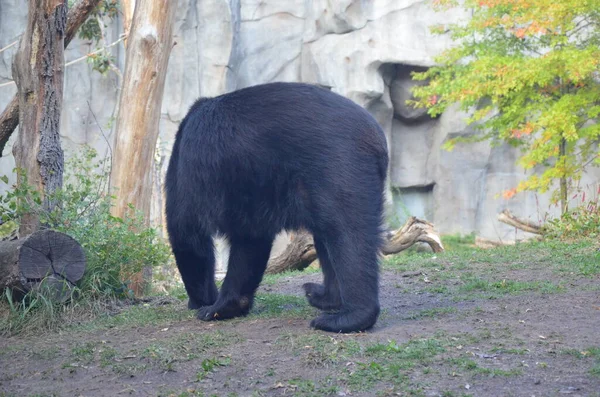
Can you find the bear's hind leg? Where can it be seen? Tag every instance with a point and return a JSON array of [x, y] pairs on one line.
[[196, 263], [324, 296], [354, 259], [247, 263]]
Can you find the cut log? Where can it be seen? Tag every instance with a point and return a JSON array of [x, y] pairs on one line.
[[47, 261], [507, 217], [300, 252]]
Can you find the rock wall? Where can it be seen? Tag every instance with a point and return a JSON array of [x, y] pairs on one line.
[[363, 49]]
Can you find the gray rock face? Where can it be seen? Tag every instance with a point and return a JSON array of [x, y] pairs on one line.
[[364, 50]]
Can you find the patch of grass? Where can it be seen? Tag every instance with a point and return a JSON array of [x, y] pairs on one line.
[[318, 351], [458, 242], [272, 279], [390, 362], [107, 356], [186, 347], [478, 284], [49, 353], [84, 352], [430, 313], [267, 305], [437, 289], [210, 365], [308, 388], [515, 351], [128, 369], [579, 258], [589, 353], [466, 364], [138, 316]]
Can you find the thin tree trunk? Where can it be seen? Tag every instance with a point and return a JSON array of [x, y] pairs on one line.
[[563, 179], [128, 7], [148, 48], [9, 119], [38, 71]]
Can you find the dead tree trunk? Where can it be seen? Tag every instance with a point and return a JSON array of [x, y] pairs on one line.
[[46, 261], [300, 252], [148, 48], [38, 72], [9, 119]]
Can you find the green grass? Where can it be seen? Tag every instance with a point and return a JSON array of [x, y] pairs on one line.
[[209, 365], [308, 388], [84, 352], [320, 351], [268, 305], [592, 353], [187, 347], [581, 258], [469, 365], [49, 353], [391, 362], [137, 316], [272, 279], [431, 313], [478, 284]]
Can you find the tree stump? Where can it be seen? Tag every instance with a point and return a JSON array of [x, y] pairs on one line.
[[46, 261]]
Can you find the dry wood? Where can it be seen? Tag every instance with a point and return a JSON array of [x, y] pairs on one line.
[[300, 252], [414, 230], [128, 7], [149, 44], [148, 49], [38, 72], [45, 260], [9, 119], [507, 217]]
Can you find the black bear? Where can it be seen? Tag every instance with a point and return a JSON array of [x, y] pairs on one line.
[[253, 162]]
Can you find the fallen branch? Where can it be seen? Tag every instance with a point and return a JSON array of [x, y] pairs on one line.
[[414, 231], [298, 254], [301, 252], [9, 119], [508, 218]]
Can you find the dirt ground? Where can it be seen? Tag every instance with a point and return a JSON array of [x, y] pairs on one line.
[[504, 325]]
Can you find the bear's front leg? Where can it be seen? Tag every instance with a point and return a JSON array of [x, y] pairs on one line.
[[247, 263]]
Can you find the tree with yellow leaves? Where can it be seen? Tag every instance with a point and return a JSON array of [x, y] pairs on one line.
[[527, 70]]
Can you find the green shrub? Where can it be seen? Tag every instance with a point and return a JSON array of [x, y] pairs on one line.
[[114, 246], [582, 221]]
